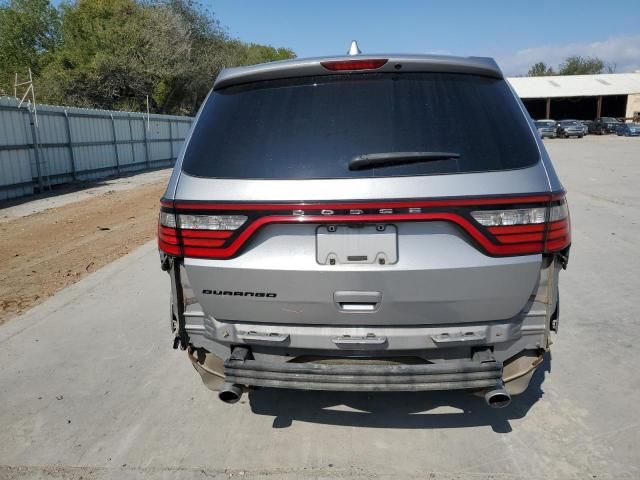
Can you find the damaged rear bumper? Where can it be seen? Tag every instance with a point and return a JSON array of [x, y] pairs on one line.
[[358, 375]]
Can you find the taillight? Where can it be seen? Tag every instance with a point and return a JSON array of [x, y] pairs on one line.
[[195, 235], [365, 64], [559, 226], [539, 229], [500, 226]]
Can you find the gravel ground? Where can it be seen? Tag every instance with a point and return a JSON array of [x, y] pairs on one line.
[[50, 243]]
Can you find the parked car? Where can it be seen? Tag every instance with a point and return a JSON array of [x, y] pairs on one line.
[[585, 128], [587, 125], [628, 129], [570, 128], [326, 228], [546, 128], [604, 126]]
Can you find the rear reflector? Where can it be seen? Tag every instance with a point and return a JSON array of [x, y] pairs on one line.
[[340, 65], [500, 226]]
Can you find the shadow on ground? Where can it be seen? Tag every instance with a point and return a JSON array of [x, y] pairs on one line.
[[72, 187], [395, 409]]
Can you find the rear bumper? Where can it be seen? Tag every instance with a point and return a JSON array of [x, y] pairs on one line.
[[446, 375]]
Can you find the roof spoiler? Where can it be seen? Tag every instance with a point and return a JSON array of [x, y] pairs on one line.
[[306, 67]]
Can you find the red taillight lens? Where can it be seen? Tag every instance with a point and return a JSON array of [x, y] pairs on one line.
[[168, 240], [559, 227], [195, 235], [368, 64], [500, 226], [539, 229]]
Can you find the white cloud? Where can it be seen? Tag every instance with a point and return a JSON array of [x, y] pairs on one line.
[[622, 52]]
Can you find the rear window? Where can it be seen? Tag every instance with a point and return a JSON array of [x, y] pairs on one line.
[[312, 127]]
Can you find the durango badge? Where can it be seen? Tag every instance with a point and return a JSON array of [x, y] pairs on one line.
[[230, 293]]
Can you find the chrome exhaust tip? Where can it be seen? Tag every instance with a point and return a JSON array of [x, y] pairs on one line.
[[497, 397], [230, 393]]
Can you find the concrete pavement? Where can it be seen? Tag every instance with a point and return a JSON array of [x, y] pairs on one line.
[[90, 387]]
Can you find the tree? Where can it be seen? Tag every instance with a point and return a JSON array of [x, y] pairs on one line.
[[29, 34], [578, 65], [540, 69], [115, 53], [252, 53]]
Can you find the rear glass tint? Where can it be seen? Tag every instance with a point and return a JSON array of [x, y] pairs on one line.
[[312, 127]]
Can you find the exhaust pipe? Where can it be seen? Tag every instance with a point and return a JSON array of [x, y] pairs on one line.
[[230, 393], [497, 397]]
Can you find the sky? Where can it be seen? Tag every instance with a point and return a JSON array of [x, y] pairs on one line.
[[516, 33]]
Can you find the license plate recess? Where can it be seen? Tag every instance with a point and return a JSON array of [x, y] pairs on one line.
[[362, 244]]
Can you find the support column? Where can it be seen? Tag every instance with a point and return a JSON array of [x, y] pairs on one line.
[[72, 156], [115, 143], [36, 151], [599, 107], [173, 159], [548, 109], [146, 143]]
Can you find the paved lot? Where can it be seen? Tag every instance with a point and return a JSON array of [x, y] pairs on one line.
[[90, 388]]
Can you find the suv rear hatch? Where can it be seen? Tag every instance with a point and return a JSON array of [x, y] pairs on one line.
[[276, 227]]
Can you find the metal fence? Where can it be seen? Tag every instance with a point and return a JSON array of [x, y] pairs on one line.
[[70, 144]]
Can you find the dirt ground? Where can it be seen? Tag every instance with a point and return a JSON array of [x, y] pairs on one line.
[[42, 253]]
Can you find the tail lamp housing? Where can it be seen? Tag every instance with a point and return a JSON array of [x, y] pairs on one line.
[[500, 226]]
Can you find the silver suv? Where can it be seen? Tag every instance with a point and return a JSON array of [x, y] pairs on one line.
[[364, 223]]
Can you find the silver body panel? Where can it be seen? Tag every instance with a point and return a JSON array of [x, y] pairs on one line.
[[521, 181], [439, 278]]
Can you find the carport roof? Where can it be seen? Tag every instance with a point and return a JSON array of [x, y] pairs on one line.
[[576, 85]]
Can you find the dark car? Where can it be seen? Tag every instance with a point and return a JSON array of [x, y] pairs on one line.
[[587, 125], [628, 130], [546, 128], [570, 128], [604, 126]]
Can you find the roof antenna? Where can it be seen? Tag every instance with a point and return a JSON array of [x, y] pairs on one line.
[[354, 49]]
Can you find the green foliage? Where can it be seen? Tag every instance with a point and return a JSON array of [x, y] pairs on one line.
[[114, 53], [577, 65], [540, 69], [574, 65], [252, 53], [29, 34]]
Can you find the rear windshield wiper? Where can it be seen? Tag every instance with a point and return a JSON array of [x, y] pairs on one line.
[[376, 160]]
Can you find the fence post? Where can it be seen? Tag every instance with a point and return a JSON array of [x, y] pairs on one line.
[[146, 145], [173, 159], [115, 143], [70, 146], [132, 141], [36, 151]]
